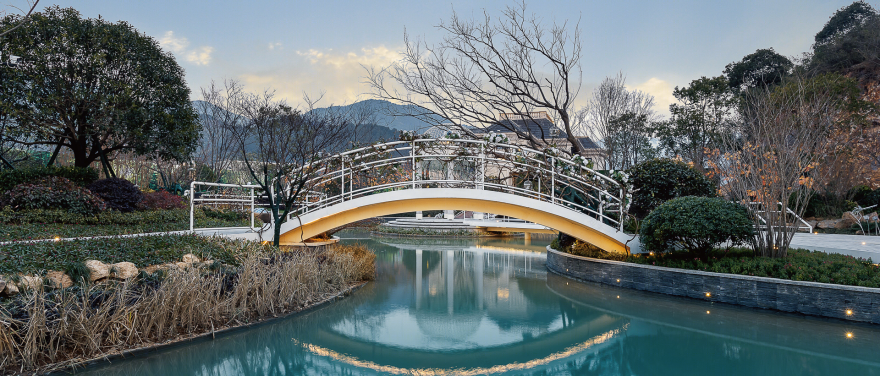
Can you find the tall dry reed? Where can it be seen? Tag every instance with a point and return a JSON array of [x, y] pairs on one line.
[[50, 330]]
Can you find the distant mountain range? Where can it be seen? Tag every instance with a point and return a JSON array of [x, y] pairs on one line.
[[385, 126], [385, 112]]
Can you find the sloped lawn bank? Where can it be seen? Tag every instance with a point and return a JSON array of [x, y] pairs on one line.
[[48, 224], [46, 329]]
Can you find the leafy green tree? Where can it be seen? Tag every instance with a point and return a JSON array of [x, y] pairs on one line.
[[94, 87], [849, 43], [845, 20], [659, 180], [762, 68], [698, 120]]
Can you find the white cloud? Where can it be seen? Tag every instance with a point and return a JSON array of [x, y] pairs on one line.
[[176, 45], [275, 45], [201, 56], [662, 92], [339, 75], [180, 47]]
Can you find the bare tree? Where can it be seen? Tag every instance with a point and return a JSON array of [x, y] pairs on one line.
[[217, 150], [281, 146], [32, 4], [774, 154], [619, 119], [483, 69]]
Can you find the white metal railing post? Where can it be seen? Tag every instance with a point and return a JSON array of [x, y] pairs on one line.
[[342, 173], [620, 214], [412, 153], [552, 180], [252, 208], [272, 200], [192, 195], [483, 165]]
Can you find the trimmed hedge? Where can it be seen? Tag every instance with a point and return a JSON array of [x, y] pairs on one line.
[[798, 265], [658, 180], [120, 194], [697, 224], [52, 193], [81, 176]]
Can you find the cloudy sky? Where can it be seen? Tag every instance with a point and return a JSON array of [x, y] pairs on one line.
[[320, 46]]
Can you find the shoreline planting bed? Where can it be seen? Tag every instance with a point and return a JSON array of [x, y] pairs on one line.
[[800, 264], [44, 329]]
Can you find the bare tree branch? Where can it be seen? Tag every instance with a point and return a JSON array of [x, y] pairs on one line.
[[483, 69], [24, 19]]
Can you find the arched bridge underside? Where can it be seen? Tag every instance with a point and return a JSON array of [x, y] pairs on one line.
[[574, 223]]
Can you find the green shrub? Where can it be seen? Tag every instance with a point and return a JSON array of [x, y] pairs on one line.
[[53, 193], [696, 224], [225, 214], [81, 176], [161, 200], [658, 180], [120, 194]]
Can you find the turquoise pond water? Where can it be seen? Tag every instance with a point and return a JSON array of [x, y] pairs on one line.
[[474, 307]]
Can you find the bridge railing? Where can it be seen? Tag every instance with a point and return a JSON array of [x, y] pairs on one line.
[[468, 164]]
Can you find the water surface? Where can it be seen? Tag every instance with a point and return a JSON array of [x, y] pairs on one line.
[[473, 307]]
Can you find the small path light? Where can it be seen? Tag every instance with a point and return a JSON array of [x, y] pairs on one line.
[[708, 295], [849, 312], [849, 334]]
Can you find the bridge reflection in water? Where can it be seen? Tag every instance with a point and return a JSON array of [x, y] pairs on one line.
[[489, 307]]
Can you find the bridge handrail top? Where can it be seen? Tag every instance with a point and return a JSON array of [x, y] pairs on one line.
[[412, 143], [390, 161]]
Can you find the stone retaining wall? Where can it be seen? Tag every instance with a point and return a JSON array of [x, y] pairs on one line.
[[811, 298]]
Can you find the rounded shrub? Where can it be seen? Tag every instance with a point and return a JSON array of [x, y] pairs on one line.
[[161, 200], [658, 180], [53, 193], [695, 224], [120, 194]]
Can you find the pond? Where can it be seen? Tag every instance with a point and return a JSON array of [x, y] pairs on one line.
[[489, 306]]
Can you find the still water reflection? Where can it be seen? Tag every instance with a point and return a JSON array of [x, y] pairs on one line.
[[475, 307]]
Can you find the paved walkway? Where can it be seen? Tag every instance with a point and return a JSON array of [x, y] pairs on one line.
[[853, 245], [234, 233]]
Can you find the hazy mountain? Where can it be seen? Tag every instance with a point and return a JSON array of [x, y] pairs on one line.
[[366, 133], [384, 114]]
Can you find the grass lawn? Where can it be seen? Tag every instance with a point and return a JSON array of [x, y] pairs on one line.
[[50, 224]]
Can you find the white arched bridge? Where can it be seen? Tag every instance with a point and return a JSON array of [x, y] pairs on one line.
[[563, 194]]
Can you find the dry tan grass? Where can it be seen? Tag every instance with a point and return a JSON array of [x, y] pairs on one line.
[[68, 327]]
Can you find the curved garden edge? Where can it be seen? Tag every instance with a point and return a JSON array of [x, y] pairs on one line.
[[187, 340], [852, 303]]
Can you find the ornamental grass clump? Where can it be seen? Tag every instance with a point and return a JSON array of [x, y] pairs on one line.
[[47, 330], [695, 224]]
